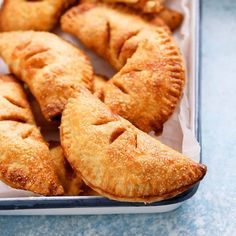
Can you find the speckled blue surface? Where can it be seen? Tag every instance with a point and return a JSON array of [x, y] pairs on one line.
[[212, 211]]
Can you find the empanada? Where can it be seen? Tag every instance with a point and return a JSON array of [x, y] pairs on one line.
[[150, 82], [119, 161], [51, 67], [31, 15], [24, 155]]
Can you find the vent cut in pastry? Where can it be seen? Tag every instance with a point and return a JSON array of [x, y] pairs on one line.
[[31, 14], [119, 161], [150, 82], [24, 155], [51, 67]]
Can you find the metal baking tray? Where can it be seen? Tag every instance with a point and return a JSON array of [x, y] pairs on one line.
[[99, 205]]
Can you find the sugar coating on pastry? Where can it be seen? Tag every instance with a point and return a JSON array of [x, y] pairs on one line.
[[118, 160], [151, 76], [24, 155], [31, 15], [52, 68]]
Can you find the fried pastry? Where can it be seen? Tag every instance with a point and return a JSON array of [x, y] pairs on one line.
[[31, 15], [150, 82], [118, 160], [51, 67], [24, 158]]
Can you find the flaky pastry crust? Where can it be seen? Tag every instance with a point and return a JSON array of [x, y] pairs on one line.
[[31, 15], [150, 82], [119, 161], [24, 155], [51, 67]]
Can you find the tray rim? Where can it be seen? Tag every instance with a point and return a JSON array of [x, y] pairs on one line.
[[27, 203]]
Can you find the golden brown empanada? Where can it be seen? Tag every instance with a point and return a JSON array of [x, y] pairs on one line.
[[24, 158], [119, 161], [51, 67], [31, 15], [150, 82]]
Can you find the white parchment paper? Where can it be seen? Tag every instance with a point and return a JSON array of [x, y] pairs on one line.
[[178, 131]]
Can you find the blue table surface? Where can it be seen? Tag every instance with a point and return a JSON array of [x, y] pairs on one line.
[[212, 211]]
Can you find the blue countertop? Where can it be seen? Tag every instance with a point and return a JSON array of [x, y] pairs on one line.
[[212, 211]]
